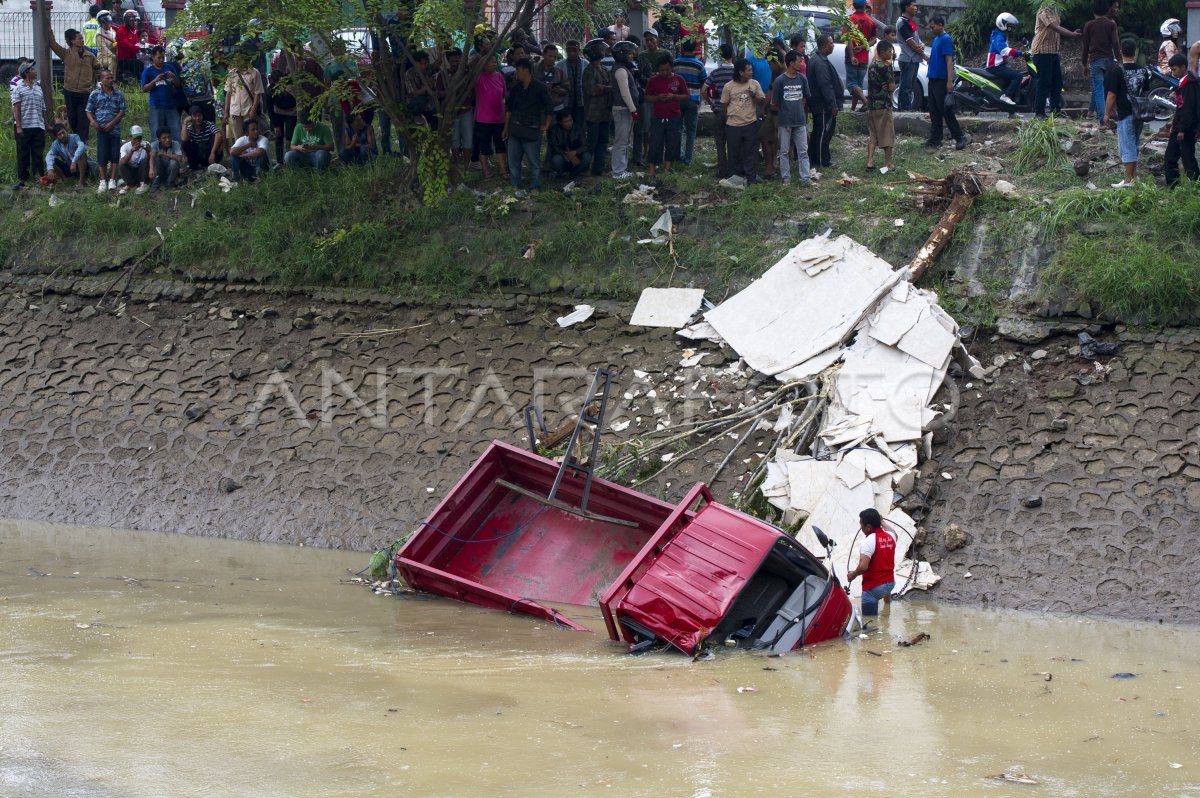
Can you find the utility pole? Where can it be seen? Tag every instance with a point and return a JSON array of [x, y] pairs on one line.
[[41, 53]]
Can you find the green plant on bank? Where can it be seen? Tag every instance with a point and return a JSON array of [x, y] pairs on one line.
[[1039, 146], [1131, 252]]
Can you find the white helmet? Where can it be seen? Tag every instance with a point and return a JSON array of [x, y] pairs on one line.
[[1171, 28], [1007, 21]]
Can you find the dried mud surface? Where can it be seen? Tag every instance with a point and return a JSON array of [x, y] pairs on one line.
[[1118, 477], [258, 427]]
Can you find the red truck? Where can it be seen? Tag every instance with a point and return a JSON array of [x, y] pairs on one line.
[[689, 576]]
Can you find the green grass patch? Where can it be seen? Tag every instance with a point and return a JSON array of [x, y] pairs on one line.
[[1039, 146], [1131, 252]]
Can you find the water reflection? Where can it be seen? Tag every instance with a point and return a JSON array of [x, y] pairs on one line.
[[152, 665]]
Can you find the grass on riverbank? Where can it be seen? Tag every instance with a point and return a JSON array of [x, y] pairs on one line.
[[1127, 252]]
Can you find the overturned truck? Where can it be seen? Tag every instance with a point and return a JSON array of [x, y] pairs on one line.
[[521, 533]]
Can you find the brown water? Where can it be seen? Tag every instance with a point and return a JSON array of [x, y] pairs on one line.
[[157, 665]]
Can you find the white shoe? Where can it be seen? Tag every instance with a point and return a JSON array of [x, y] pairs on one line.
[[123, 190], [142, 189], [736, 181], [103, 187], [1122, 184], [623, 176], [1004, 98], [113, 185]]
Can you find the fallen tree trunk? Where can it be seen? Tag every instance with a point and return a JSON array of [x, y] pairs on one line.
[[941, 235]]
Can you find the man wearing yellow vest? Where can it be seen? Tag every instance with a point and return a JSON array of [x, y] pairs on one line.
[[91, 28]]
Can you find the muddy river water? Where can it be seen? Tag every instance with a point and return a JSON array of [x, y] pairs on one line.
[[143, 664]]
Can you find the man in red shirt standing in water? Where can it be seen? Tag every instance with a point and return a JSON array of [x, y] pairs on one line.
[[876, 562]]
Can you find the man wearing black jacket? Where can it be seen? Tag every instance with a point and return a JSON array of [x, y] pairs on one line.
[[565, 153], [1184, 125], [824, 103]]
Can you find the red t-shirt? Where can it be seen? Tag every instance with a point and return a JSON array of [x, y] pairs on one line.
[[672, 84], [867, 25]]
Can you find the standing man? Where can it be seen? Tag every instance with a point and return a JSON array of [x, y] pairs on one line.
[[106, 108], [90, 28], [912, 52], [789, 98], [876, 557], [1184, 124], [713, 88], [647, 65], [824, 102], [624, 108], [550, 76], [128, 42], [29, 123], [1101, 49], [666, 91], [742, 98], [1047, 41], [858, 52], [572, 71], [691, 69], [80, 70], [244, 99], [597, 93], [941, 67], [1118, 110], [527, 114], [160, 80]]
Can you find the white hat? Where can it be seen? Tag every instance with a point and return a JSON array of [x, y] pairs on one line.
[[135, 132]]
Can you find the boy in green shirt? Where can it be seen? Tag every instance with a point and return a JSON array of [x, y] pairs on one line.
[[312, 146]]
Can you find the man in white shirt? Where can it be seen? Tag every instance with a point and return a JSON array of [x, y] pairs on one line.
[[248, 155], [134, 164]]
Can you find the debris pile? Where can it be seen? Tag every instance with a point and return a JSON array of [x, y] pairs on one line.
[[861, 354]]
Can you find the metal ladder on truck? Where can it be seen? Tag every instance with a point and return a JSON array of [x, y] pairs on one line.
[[598, 393]]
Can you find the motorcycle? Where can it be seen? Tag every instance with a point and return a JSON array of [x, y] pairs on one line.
[[1161, 91], [976, 89]]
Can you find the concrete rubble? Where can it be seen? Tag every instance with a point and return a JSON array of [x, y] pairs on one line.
[[831, 301]]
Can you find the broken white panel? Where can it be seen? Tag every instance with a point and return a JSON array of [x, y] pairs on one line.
[[788, 316], [925, 577], [808, 480], [852, 468], [666, 307], [887, 386], [895, 317], [928, 340], [836, 514], [701, 331], [849, 428], [581, 313], [811, 367]]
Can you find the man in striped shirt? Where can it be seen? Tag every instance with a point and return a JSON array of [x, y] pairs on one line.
[[29, 120], [691, 69], [712, 88]]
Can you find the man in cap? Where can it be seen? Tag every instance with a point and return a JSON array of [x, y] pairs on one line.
[[134, 165], [29, 122]]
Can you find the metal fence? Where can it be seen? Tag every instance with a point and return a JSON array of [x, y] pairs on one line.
[[16, 30]]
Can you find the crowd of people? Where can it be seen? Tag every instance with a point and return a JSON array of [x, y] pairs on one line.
[[617, 103]]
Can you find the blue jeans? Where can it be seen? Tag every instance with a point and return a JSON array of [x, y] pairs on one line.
[[317, 159], [908, 76], [597, 144], [1097, 69], [691, 116], [872, 597], [530, 150], [163, 117], [249, 168], [1006, 74]]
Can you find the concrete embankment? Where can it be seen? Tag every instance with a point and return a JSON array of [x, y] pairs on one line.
[[245, 414]]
